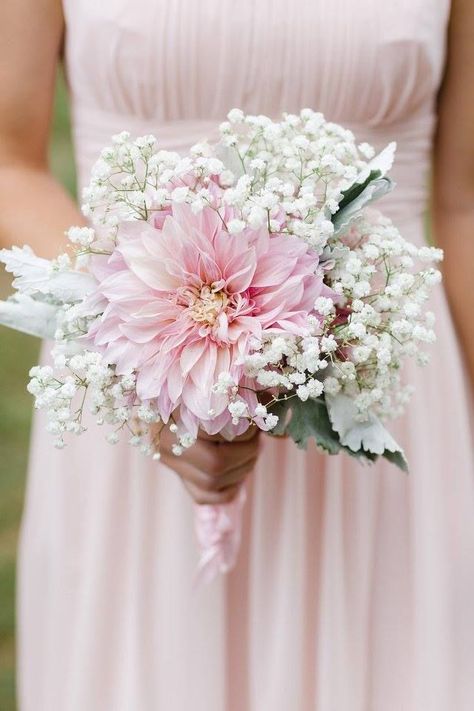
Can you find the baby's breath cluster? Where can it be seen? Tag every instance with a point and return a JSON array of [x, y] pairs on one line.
[[380, 319], [135, 180], [302, 177], [63, 390], [287, 175], [376, 319]]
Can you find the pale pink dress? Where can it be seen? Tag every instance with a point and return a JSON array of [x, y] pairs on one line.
[[354, 590]]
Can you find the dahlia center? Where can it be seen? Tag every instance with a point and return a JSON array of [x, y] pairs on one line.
[[206, 305]]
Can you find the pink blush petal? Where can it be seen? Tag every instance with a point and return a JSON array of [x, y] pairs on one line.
[[154, 275], [239, 271], [158, 309], [271, 271], [189, 421], [139, 332], [260, 239], [217, 424], [151, 270], [107, 332], [124, 286], [165, 406], [148, 385], [244, 324], [175, 382], [208, 269], [202, 373], [191, 354], [195, 401]]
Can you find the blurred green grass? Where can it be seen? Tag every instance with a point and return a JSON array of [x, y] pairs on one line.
[[17, 354]]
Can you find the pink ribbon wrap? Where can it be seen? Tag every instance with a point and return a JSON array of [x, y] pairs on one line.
[[218, 530]]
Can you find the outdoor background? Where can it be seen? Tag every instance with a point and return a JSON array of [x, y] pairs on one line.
[[17, 354]]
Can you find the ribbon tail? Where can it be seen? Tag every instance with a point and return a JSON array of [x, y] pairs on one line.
[[218, 530]]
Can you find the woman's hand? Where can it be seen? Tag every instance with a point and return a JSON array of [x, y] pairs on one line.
[[213, 469]]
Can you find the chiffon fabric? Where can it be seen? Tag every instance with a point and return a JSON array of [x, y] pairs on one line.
[[354, 587]]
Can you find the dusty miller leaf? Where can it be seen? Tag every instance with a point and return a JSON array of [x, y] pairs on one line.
[[383, 161], [35, 275], [305, 420], [369, 436], [36, 318], [358, 196], [230, 157]]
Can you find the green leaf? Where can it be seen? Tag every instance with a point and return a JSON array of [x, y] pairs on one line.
[[308, 419], [396, 458], [305, 420], [355, 190], [367, 436]]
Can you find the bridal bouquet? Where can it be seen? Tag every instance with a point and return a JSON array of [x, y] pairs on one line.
[[246, 284]]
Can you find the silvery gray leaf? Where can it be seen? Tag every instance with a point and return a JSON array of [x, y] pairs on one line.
[[67, 287], [371, 435], [28, 269], [25, 314], [383, 161], [374, 190], [230, 159], [332, 253], [35, 275]]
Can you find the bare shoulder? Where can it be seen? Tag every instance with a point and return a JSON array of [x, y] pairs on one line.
[[31, 34]]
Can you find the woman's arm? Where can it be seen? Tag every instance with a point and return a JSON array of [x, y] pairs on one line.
[[454, 174], [34, 208]]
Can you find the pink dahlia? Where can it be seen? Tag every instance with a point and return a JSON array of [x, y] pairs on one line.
[[183, 300]]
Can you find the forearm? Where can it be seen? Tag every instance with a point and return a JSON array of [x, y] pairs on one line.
[[455, 234], [34, 210]]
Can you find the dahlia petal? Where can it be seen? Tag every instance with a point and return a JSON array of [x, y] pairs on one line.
[[193, 398], [159, 308], [160, 216], [207, 222], [288, 293], [271, 271], [202, 373], [189, 421], [230, 431], [260, 239], [208, 269], [223, 327], [239, 272], [122, 354], [227, 246], [102, 265], [148, 385], [123, 286], [291, 326], [176, 335], [150, 270], [175, 382], [131, 230], [107, 331], [191, 354], [217, 424], [223, 361], [245, 324], [165, 406], [139, 332]]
